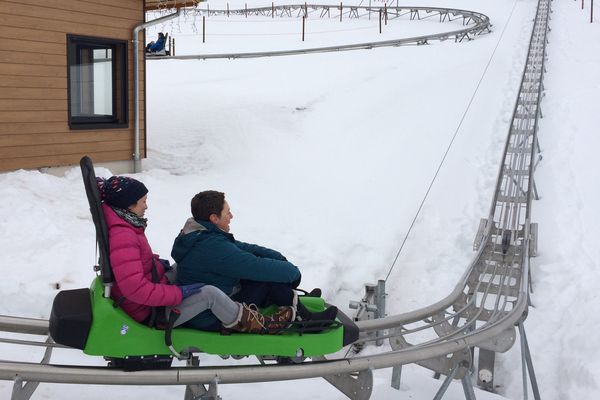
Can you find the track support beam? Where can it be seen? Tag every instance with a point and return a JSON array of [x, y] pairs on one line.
[[24, 390], [465, 380], [372, 306], [357, 386], [485, 375], [199, 391], [527, 366]]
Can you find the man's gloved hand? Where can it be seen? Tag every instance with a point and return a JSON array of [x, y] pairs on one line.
[[188, 290]]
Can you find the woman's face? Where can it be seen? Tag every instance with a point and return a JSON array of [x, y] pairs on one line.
[[140, 207]]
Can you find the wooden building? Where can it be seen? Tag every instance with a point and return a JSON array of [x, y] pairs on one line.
[[66, 80]]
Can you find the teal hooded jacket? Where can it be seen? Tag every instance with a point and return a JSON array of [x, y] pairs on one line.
[[206, 254]]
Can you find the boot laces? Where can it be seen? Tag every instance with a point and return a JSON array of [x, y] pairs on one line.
[[256, 315]]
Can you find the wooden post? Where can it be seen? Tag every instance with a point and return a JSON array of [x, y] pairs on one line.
[[582, 4], [380, 20], [227, 10], [272, 10], [369, 10], [303, 19], [203, 29], [173, 48], [341, 11], [246, 8]]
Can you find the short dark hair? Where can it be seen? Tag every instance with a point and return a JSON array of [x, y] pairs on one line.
[[206, 203]]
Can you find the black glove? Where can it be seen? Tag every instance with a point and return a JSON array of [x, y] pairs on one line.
[[166, 264]]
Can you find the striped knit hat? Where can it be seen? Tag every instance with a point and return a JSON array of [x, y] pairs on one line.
[[121, 191]]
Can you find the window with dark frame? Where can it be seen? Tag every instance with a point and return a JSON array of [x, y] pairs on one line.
[[97, 76]]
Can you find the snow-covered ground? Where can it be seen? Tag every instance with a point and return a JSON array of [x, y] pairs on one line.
[[327, 157]]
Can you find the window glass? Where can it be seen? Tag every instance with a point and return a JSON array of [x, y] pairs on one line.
[[102, 82]]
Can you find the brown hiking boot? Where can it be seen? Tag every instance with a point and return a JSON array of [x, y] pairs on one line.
[[281, 319], [250, 320]]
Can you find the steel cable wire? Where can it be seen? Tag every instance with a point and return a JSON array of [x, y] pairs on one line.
[[451, 142]]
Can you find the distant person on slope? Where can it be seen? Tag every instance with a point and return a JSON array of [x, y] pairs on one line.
[[159, 45], [142, 286], [206, 252]]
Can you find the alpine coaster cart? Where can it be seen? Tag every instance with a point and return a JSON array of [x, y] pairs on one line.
[[87, 319]]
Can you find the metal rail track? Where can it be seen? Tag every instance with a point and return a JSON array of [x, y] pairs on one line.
[[475, 24], [488, 302]]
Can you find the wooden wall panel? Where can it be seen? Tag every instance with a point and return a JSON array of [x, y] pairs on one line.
[[30, 81], [63, 148], [112, 17], [11, 93], [32, 46], [34, 130], [39, 24], [37, 36], [58, 138], [37, 105], [126, 9], [33, 70], [62, 160]]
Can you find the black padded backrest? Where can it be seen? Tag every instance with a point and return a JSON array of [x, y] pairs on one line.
[[93, 196]]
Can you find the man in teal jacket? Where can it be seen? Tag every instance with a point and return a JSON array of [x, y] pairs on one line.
[[206, 252]]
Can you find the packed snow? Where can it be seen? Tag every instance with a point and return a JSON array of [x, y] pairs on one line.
[[327, 158]]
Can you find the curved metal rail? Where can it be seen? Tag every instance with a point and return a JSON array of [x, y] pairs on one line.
[[482, 311], [476, 24]]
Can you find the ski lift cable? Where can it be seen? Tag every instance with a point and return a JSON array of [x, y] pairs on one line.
[[412, 224]]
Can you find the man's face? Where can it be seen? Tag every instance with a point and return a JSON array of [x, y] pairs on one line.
[[222, 221]]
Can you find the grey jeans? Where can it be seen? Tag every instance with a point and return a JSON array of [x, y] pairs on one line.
[[209, 298]]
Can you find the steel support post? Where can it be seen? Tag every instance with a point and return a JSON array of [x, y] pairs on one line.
[[485, 373], [24, 390], [380, 303], [527, 365], [396, 376], [194, 392], [199, 392], [535, 191], [371, 306], [446, 383], [357, 386], [468, 388]]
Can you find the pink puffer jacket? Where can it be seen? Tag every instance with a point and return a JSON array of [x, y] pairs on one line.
[[131, 259]]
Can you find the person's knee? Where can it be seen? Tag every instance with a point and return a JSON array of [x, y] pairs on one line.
[[212, 294]]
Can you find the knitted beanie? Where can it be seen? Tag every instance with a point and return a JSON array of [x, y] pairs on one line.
[[121, 191]]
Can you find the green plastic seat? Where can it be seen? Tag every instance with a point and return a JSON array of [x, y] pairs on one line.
[[115, 334]]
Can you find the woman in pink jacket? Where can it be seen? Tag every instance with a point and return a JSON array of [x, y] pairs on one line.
[[141, 278]]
